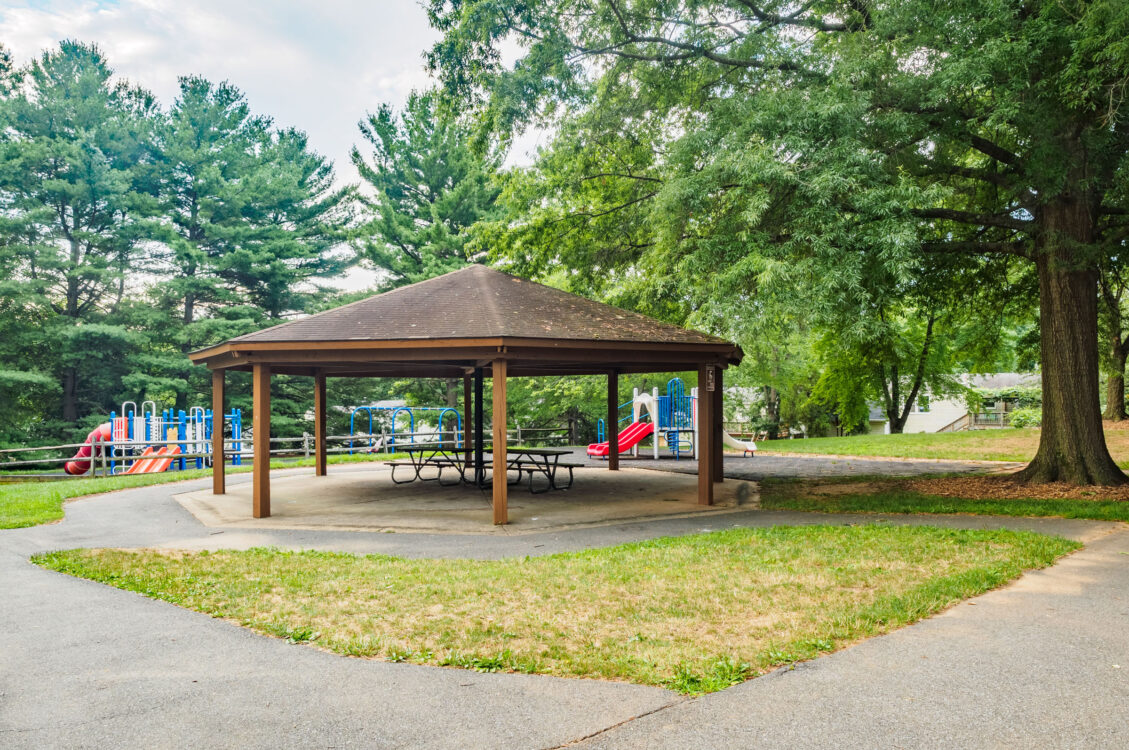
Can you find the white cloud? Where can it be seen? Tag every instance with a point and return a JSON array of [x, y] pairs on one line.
[[316, 66]]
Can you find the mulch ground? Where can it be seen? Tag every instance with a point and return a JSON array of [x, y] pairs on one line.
[[1005, 488], [993, 487]]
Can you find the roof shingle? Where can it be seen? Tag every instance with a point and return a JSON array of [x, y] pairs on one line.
[[478, 302]]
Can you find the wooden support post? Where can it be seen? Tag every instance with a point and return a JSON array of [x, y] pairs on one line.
[[613, 421], [706, 420], [218, 456], [260, 477], [719, 426], [468, 415], [479, 443], [319, 425], [501, 512]]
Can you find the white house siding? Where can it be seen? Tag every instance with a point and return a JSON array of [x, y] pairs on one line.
[[945, 411], [941, 413]]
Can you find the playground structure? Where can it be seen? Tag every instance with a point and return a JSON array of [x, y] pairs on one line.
[[672, 419], [145, 441], [386, 431], [385, 438]]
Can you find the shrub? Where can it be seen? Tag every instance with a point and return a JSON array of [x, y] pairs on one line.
[[1028, 416]]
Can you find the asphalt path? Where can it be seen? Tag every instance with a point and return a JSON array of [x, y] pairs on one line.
[[1041, 663]]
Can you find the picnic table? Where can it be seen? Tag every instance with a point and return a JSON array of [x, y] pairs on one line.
[[531, 461], [428, 455], [544, 461]]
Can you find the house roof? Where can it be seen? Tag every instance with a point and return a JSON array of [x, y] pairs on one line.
[[469, 318], [478, 302], [1001, 380]]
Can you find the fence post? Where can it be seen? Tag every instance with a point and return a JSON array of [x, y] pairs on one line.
[[94, 454], [305, 445]]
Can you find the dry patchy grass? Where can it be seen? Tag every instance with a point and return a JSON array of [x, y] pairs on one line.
[[978, 445], [694, 613]]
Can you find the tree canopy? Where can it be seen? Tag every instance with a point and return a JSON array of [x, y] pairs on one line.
[[427, 187], [130, 234], [727, 148]]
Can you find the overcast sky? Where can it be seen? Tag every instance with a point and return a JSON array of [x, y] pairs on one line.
[[316, 65]]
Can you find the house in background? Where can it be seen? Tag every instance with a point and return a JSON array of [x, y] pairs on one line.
[[951, 413]]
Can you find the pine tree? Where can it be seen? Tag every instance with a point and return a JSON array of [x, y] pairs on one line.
[[75, 176], [426, 187]]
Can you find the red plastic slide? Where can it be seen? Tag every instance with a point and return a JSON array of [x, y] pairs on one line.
[[77, 465], [154, 461], [628, 439]]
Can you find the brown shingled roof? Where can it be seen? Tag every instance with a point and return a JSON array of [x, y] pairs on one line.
[[478, 302]]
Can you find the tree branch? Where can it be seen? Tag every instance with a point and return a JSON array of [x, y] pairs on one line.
[[919, 376], [967, 217], [619, 174], [988, 148], [976, 248], [792, 19], [688, 50]]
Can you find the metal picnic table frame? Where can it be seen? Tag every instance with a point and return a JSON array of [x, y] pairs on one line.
[[545, 461], [541, 460], [423, 455]]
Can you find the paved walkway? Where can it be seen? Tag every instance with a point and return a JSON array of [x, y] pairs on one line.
[[762, 466], [85, 665]]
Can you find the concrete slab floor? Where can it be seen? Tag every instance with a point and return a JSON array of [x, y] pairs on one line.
[[368, 500]]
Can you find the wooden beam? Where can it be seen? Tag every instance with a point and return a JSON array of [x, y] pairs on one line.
[[315, 355], [452, 358], [468, 415], [218, 456], [707, 444], [501, 512], [718, 422], [260, 478], [479, 443], [242, 348], [319, 425], [613, 421], [516, 368]]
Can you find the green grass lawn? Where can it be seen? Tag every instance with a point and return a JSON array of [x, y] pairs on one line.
[[977, 445], [695, 614], [32, 503], [896, 500]]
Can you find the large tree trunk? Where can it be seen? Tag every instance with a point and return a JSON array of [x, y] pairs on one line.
[[1115, 386], [772, 411], [894, 421], [1072, 445]]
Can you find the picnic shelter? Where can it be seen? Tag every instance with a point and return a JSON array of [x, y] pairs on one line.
[[474, 323]]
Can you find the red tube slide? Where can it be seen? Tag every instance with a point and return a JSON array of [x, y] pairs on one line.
[[78, 465], [628, 439]]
